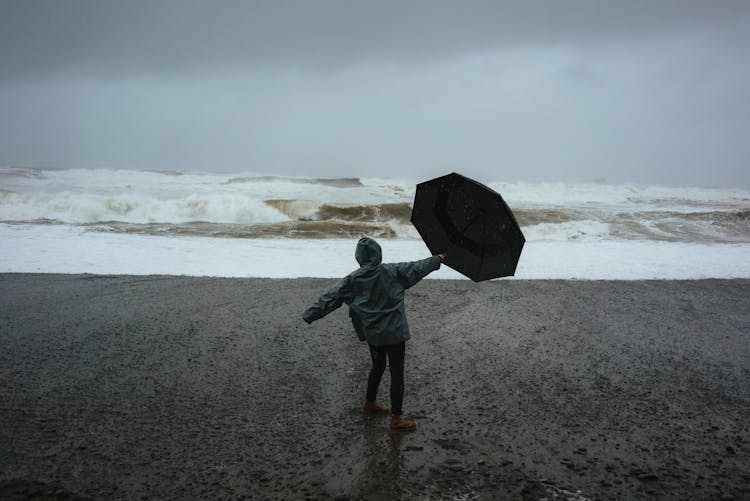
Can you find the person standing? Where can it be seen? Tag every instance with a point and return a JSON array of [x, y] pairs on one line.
[[375, 295]]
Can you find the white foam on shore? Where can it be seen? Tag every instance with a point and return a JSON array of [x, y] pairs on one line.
[[70, 249]]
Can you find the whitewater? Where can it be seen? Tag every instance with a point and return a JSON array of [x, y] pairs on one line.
[[255, 225]]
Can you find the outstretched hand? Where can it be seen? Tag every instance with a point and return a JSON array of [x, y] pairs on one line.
[[442, 257]]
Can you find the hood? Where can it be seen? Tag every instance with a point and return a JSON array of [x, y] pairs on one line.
[[368, 252]]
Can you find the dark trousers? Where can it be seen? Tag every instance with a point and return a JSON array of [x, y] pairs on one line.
[[394, 355]]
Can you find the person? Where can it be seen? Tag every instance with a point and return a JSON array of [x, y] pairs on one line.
[[375, 295]]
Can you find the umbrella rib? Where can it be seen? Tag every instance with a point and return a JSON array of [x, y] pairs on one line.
[[469, 224]]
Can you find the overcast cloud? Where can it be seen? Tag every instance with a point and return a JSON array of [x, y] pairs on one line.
[[644, 91]]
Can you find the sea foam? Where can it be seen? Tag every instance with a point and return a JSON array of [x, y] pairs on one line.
[[52, 210], [545, 210]]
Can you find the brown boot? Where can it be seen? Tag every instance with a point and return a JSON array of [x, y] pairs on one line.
[[375, 408], [399, 423]]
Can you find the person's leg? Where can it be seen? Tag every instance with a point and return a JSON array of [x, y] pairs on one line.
[[396, 356], [378, 356]]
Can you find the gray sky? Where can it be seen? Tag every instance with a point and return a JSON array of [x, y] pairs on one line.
[[650, 91]]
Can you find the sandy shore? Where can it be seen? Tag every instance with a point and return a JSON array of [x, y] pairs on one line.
[[171, 388]]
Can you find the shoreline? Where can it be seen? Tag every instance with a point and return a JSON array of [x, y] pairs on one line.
[[66, 249], [123, 386]]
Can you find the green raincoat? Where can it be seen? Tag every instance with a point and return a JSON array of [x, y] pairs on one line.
[[375, 295]]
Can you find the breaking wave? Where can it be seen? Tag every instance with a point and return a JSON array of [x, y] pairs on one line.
[[287, 229], [21, 173], [135, 208], [308, 210], [259, 206], [343, 182]]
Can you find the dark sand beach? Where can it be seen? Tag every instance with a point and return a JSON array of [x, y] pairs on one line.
[[129, 387]]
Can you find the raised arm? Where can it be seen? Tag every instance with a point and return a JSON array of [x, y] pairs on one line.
[[332, 299], [410, 273]]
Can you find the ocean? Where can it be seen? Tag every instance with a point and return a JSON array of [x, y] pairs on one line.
[[245, 224]]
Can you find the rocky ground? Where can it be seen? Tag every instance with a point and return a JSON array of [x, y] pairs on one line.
[[126, 387]]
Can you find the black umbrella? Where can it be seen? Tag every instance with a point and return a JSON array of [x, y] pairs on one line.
[[471, 224]]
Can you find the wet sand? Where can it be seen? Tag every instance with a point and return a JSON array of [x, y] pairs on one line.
[[176, 388]]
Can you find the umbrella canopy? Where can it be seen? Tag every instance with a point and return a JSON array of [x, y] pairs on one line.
[[471, 224]]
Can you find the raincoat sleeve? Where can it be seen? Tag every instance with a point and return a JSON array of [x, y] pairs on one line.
[[338, 294], [410, 273]]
